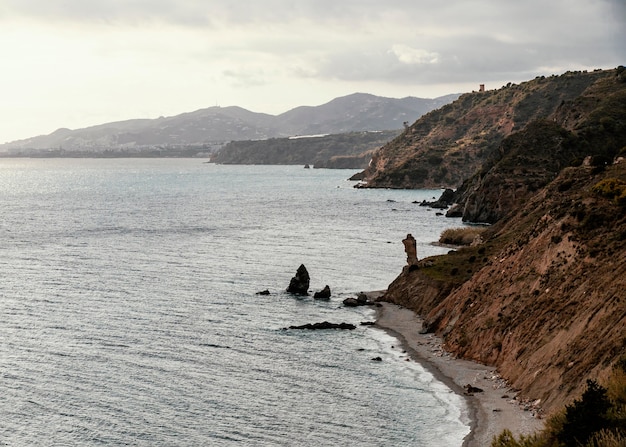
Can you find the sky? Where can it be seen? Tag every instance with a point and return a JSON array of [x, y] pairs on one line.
[[76, 63]]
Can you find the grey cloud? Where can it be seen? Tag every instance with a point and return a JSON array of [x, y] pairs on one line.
[[481, 39]]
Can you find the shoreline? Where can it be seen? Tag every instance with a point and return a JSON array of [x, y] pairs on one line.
[[491, 411]]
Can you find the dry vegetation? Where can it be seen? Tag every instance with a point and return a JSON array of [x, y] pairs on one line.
[[597, 419], [461, 236]]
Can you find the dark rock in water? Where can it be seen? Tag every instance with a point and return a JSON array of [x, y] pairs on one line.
[[351, 302], [447, 198], [323, 294], [360, 300], [307, 166], [368, 323], [263, 292], [299, 284], [377, 359], [455, 210], [325, 325]]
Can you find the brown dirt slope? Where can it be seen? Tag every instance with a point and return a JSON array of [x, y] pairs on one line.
[[544, 297]]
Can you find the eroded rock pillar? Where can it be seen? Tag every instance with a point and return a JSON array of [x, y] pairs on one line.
[[410, 247]]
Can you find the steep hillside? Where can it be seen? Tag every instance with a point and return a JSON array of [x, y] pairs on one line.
[[449, 145], [349, 150], [593, 124], [543, 298], [206, 127]]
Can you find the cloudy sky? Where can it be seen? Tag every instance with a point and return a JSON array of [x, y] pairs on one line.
[[75, 63]]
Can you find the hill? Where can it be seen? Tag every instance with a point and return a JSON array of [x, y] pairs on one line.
[[541, 294], [208, 129], [448, 145]]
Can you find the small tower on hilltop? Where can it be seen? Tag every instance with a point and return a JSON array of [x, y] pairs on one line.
[[481, 88]]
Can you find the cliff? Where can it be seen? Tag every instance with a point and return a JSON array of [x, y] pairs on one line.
[[543, 296], [449, 145]]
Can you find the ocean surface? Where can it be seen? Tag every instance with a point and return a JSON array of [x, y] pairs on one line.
[[129, 313]]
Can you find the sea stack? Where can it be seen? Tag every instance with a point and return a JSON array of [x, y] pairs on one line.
[[299, 284]]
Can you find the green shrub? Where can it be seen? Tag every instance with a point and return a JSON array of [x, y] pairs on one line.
[[586, 416]]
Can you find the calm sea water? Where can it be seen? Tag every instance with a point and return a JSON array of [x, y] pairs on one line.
[[129, 314]]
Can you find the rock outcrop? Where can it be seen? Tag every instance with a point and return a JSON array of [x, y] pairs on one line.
[[410, 248], [299, 284], [361, 300], [447, 198], [323, 294]]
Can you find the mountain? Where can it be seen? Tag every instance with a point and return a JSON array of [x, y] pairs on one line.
[[450, 144], [358, 112], [541, 293], [209, 128]]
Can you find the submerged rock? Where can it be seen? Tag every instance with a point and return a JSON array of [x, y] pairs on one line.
[[299, 284], [324, 325]]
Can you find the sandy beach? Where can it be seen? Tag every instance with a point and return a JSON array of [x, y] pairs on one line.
[[491, 410]]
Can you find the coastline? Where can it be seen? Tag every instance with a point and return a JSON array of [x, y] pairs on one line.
[[491, 411]]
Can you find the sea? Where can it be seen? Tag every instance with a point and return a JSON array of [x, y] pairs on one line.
[[129, 313]]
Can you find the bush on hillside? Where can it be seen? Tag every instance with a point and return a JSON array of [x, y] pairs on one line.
[[612, 188], [460, 236]]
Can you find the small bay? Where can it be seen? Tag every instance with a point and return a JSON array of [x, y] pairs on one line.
[[130, 314]]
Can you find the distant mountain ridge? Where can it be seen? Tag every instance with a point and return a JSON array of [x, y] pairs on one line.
[[215, 125]]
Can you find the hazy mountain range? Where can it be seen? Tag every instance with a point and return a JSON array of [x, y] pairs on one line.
[[214, 126]]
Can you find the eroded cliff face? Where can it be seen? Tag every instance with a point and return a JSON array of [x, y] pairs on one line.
[[544, 297]]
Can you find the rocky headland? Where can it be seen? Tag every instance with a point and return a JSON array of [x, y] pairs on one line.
[[450, 145], [541, 296]]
